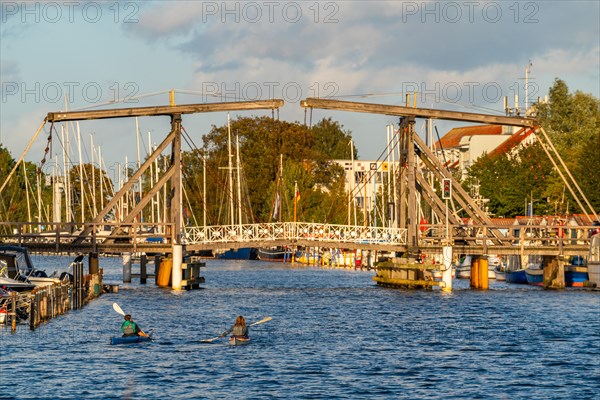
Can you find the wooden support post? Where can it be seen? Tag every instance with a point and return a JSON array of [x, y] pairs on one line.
[[157, 259], [93, 263], [14, 312], [32, 311], [475, 272], [483, 273], [554, 273], [143, 262], [126, 267]]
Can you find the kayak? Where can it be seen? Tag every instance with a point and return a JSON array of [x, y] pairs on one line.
[[236, 341], [129, 339]]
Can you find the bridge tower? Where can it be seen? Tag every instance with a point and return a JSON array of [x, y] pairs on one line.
[[172, 176]]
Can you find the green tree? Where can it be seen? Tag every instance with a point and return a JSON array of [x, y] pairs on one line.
[[307, 161], [572, 121]]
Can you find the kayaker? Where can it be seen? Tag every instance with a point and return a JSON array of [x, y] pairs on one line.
[[239, 329], [130, 328]]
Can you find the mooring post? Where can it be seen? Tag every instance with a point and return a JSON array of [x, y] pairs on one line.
[[157, 260], [93, 263], [32, 310], [483, 273], [447, 274], [14, 313], [475, 272], [126, 267], [176, 271], [143, 262]]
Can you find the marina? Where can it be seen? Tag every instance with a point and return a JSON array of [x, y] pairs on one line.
[[333, 333]]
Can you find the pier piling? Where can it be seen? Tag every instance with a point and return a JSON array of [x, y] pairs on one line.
[[126, 267], [484, 282], [143, 274], [93, 263], [176, 270], [475, 272]]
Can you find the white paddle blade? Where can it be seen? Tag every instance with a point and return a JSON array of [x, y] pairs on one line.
[[266, 319], [118, 309], [210, 340]]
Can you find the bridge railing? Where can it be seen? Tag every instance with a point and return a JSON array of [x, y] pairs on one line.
[[294, 231], [49, 233]]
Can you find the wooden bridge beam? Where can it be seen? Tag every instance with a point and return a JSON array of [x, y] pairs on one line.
[[416, 112]]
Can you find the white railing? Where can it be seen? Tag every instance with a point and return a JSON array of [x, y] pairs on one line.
[[292, 231]]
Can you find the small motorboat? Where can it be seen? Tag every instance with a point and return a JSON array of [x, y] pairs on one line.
[[129, 339], [237, 340]]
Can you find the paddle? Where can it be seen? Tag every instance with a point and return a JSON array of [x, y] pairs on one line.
[[119, 310], [266, 319]]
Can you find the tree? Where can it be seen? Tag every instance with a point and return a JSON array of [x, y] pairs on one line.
[[307, 160], [572, 121]]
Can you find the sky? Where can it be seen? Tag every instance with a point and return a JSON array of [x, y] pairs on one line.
[[458, 55]]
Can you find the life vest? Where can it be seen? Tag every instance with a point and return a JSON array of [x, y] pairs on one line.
[[128, 328], [239, 330]]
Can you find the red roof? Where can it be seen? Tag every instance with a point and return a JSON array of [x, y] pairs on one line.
[[513, 141], [453, 138], [502, 221]]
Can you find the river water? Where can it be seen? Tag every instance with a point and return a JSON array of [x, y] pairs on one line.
[[334, 334]]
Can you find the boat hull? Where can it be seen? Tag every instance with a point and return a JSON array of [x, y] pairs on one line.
[[129, 339], [535, 277], [237, 341], [594, 272], [278, 254], [243, 253], [517, 276], [575, 276]]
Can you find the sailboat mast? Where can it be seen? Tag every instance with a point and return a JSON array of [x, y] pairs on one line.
[[151, 179], [81, 195], [94, 206], [204, 187], [230, 169], [27, 192], [101, 178], [66, 186], [239, 184], [137, 141]]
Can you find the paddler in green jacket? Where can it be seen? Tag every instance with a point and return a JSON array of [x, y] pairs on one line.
[[130, 328], [239, 330]]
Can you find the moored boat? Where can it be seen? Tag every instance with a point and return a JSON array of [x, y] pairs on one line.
[[535, 276], [276, 254], [243, 253], [576, 275], [236, 340], [516, 276], [593, 261], [129, 339], [513, 271]]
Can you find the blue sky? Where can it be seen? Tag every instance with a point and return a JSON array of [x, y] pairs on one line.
[[463, 55]]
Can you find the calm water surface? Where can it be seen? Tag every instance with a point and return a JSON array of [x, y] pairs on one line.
[[334, 334]]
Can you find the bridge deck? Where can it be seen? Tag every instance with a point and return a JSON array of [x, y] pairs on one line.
[[546, 240]]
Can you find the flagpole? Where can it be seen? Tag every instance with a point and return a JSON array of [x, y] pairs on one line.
[[295, 198]]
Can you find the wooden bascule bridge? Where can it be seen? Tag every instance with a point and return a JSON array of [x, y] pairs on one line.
[[417, 183]]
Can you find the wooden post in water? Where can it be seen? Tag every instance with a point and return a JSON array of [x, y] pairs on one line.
[[475, 272], [126, 267], [32, 311], [14, 313], [157, 259], [554, 273], [143, 262], [483, 273], [93, 263], [447, 271]]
